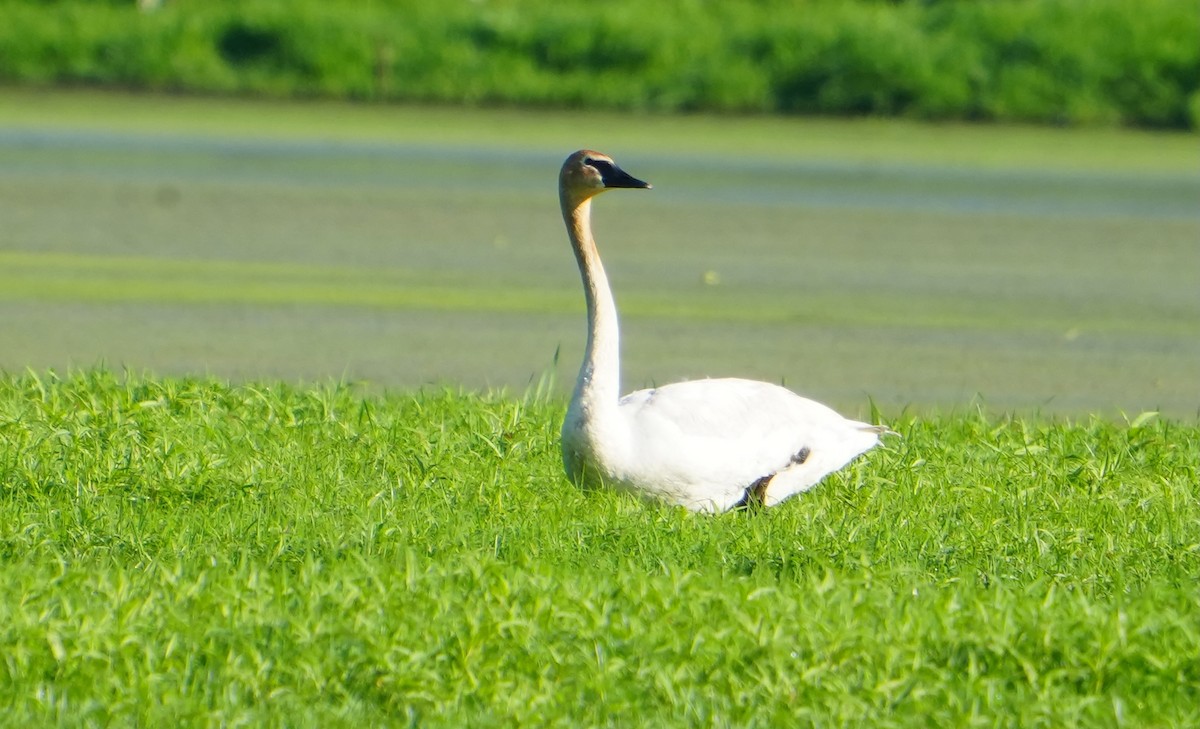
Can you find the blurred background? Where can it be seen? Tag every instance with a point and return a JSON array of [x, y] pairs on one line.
[[933, 205]]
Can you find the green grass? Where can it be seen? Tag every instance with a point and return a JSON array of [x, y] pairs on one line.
[[177, 549], [189, 551]]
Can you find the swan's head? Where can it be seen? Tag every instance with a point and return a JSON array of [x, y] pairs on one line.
[[587, 173]]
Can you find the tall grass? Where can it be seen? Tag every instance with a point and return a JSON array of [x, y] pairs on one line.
[[190, 551], [1053, 61]]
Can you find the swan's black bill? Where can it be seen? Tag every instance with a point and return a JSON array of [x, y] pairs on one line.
[[614, 176]]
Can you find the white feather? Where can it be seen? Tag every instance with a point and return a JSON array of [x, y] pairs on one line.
[[700, 444]]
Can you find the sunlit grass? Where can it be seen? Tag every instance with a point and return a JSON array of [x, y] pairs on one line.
[[181, 550]]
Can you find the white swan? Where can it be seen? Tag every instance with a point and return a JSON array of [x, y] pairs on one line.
[[708, 445]]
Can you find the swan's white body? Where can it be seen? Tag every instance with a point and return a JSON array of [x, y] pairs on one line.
[[708, 445]]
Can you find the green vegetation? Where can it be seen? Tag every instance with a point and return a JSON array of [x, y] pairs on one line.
[[181, 550], [178, 550], [1131, 62]]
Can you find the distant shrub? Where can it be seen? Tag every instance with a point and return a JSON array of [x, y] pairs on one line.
[[1134, 62]]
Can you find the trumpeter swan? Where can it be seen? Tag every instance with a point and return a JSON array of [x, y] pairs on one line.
[[708, 445]]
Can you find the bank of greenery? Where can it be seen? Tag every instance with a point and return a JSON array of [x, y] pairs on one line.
[[1134, 62]]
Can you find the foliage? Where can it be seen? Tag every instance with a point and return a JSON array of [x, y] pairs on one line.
[[1058, 61], [187, 551]]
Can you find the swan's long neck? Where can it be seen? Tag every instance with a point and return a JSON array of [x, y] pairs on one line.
[[599, 383]]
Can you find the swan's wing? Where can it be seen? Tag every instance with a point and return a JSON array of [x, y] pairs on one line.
[[721, 436]]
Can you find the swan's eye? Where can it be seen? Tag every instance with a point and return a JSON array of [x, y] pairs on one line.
[[603, 166]]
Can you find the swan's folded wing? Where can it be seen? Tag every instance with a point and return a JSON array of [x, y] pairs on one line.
[[732, 432]]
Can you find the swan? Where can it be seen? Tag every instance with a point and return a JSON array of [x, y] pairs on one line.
[[708, 445]]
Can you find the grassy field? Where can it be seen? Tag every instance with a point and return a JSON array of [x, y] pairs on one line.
[[186, 551], [922, 266], [249, 550]]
